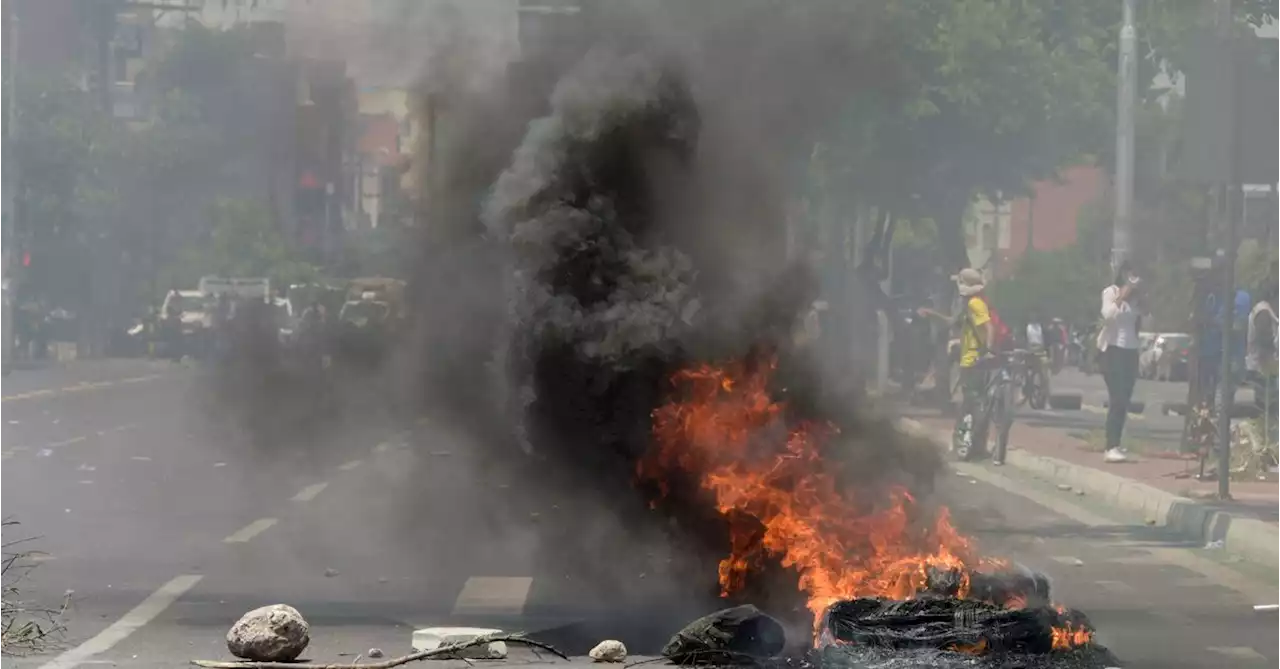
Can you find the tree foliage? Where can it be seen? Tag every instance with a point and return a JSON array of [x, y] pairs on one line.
[[243, 240]]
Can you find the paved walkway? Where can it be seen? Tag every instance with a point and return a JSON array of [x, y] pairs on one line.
[[1165, 471]]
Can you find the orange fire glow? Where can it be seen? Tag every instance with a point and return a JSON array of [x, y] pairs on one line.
[[1070, 636], [782, 499]]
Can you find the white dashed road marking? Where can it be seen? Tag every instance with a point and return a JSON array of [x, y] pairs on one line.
[[250, 531], [493, 595], [309, 493], [346, 467], [1238, 652], [132, 621]]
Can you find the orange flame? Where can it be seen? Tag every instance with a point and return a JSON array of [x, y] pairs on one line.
[[725, 428], [1070, 636]]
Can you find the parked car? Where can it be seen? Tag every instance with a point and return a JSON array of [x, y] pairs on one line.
[[1166, 357]]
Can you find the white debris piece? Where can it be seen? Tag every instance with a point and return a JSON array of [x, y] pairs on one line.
[[431, 638], [374, 653], [276, 633], [609, 650]]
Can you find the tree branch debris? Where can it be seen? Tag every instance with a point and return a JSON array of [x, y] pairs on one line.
[[25, 629]]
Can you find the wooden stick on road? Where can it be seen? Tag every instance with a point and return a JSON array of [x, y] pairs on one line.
[[388, 664]]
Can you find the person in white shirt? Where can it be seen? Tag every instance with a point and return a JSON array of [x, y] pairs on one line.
[[1118, 352], [1035, 335]]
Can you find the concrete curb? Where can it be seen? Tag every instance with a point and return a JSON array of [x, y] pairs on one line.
[[1254, 540]]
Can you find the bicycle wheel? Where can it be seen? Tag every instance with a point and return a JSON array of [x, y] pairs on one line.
[[1036, 390]]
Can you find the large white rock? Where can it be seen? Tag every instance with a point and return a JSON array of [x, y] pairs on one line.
[[609, 650], [431, 638], [276, 633]]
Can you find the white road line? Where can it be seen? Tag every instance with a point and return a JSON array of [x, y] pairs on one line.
[[309, 493], [493, 595], [346, 467], [1238, 652], [132, 621], [250, 531]]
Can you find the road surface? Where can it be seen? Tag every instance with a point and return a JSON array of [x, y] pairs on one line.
[[1151, 426], [165, 527]]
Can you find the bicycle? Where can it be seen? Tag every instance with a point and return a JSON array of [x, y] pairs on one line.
[[1031, 380], [996, 410]]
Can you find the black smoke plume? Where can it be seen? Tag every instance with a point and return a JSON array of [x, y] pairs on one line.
[[632, 221]]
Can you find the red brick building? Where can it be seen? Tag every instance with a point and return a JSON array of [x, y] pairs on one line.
[[1047, 219]]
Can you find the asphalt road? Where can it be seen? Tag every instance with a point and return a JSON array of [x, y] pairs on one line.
[[1150, 425], [165, 527]]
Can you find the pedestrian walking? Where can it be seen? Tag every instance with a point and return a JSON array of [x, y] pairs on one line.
[[1118, 352]]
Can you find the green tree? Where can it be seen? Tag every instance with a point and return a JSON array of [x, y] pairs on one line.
[[243, 240]]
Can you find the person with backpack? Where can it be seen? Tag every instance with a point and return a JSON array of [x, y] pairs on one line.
[[1118, 352], [982, 333]]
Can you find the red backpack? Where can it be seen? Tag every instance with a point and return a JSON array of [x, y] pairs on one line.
[[1003, 336]]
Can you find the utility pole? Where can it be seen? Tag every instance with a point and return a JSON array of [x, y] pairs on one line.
[[1234, 198], [1127, 76], [10, 231]]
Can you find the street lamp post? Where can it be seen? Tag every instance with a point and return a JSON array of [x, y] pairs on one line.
[[10, 231], [1127, 76]]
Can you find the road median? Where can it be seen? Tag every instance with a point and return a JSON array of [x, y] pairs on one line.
[[1252, 539]]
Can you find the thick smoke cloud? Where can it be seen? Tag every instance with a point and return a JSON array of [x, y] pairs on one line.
[[595, 223]]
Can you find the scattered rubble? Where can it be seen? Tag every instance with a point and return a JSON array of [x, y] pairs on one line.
[[609, 650], [276, 633]]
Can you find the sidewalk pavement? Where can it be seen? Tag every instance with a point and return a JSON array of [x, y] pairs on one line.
[[1163, 490]]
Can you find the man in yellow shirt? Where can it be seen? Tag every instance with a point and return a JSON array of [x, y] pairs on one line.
[[977, 330]]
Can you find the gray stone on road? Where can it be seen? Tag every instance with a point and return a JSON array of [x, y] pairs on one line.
[[276, 633]]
